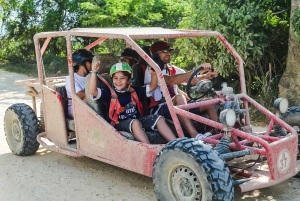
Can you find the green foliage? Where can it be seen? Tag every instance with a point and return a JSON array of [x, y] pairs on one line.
[[54, 65], [258, 30], [295, 21], [33, 16], [133, 13], [22, 19]]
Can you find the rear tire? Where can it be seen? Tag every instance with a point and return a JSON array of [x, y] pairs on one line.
[[21, 129], [188, 170]]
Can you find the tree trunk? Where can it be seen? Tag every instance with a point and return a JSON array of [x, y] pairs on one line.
[[289, 85]]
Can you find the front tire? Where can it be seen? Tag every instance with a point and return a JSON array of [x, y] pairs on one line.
[[188, 170], [21, 129]]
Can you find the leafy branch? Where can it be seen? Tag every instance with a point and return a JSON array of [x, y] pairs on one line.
[[295, 21]]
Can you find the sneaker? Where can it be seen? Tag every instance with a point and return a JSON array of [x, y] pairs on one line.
[[215, 131], [202, 136]]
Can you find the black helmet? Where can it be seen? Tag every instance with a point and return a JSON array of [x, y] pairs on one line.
[[81, 55], [130, 53]]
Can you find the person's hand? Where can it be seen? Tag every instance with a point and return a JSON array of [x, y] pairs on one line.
[[96, 66], [215, 73], [151, 70], [186, 96], [210, 75], [206, 66]]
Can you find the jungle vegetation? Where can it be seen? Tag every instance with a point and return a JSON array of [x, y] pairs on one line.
[[258, 30]]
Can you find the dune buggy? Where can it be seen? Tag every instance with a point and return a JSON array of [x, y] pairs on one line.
[[184, 169]]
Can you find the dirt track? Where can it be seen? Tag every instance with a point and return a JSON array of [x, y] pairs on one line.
[[52, 176]]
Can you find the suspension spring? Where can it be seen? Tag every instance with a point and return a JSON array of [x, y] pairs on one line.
[[223, 146], [279, 130]]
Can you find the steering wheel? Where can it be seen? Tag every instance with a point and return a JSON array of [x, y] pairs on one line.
[[207, 85]]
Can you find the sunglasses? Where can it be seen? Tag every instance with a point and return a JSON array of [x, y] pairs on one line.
[[164, 51]]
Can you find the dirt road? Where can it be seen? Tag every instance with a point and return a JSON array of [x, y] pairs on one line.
[[52, 176]]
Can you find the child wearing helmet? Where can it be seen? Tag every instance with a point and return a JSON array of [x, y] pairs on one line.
[[129, 56], [82, 61], [128, 117]]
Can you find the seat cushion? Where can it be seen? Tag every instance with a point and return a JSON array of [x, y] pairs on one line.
[[61, 89], [70, 124]]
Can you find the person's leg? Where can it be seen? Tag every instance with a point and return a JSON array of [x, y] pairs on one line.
[[153, 122], [164, 129], [133, 126], [138, 132], [185, 121], [211, 111]]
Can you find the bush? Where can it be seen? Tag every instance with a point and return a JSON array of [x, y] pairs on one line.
[[258, 30]]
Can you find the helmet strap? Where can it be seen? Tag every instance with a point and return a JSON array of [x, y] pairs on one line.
[[132, 62], [125, 90], [84, 65]]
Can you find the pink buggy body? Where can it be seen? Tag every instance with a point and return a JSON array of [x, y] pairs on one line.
[[97, 139]]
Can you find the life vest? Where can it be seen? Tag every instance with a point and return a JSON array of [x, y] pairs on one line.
[[153, 102], [172, 70], [115, 107]]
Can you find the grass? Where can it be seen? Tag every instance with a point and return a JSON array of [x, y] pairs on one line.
[[54, 68], [22, 68], [257, 118]]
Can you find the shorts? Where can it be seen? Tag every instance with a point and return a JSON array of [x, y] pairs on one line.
[[148, 123], [163, 110], [194, 110]]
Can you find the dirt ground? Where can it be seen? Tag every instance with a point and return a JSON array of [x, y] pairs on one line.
[[52, 176]]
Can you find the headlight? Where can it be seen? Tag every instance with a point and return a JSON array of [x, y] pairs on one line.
[[228, 117], [281, 104]]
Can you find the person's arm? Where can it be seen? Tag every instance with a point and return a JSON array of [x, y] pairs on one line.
[[180, 92], [81, 95], [93, 81], [79, 88], [184, 77], [178, 79], [154, 81]]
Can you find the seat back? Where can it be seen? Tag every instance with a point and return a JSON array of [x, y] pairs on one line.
[[61, 89], [138, 70], [93, 104], [107, 60]]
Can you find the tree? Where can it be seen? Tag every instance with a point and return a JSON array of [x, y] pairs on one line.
[[289, 85], [132, 13], [258, 30], [22, 19]]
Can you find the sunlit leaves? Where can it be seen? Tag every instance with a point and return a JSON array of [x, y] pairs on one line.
[[295, 21], [133, 13], [258, 31]]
